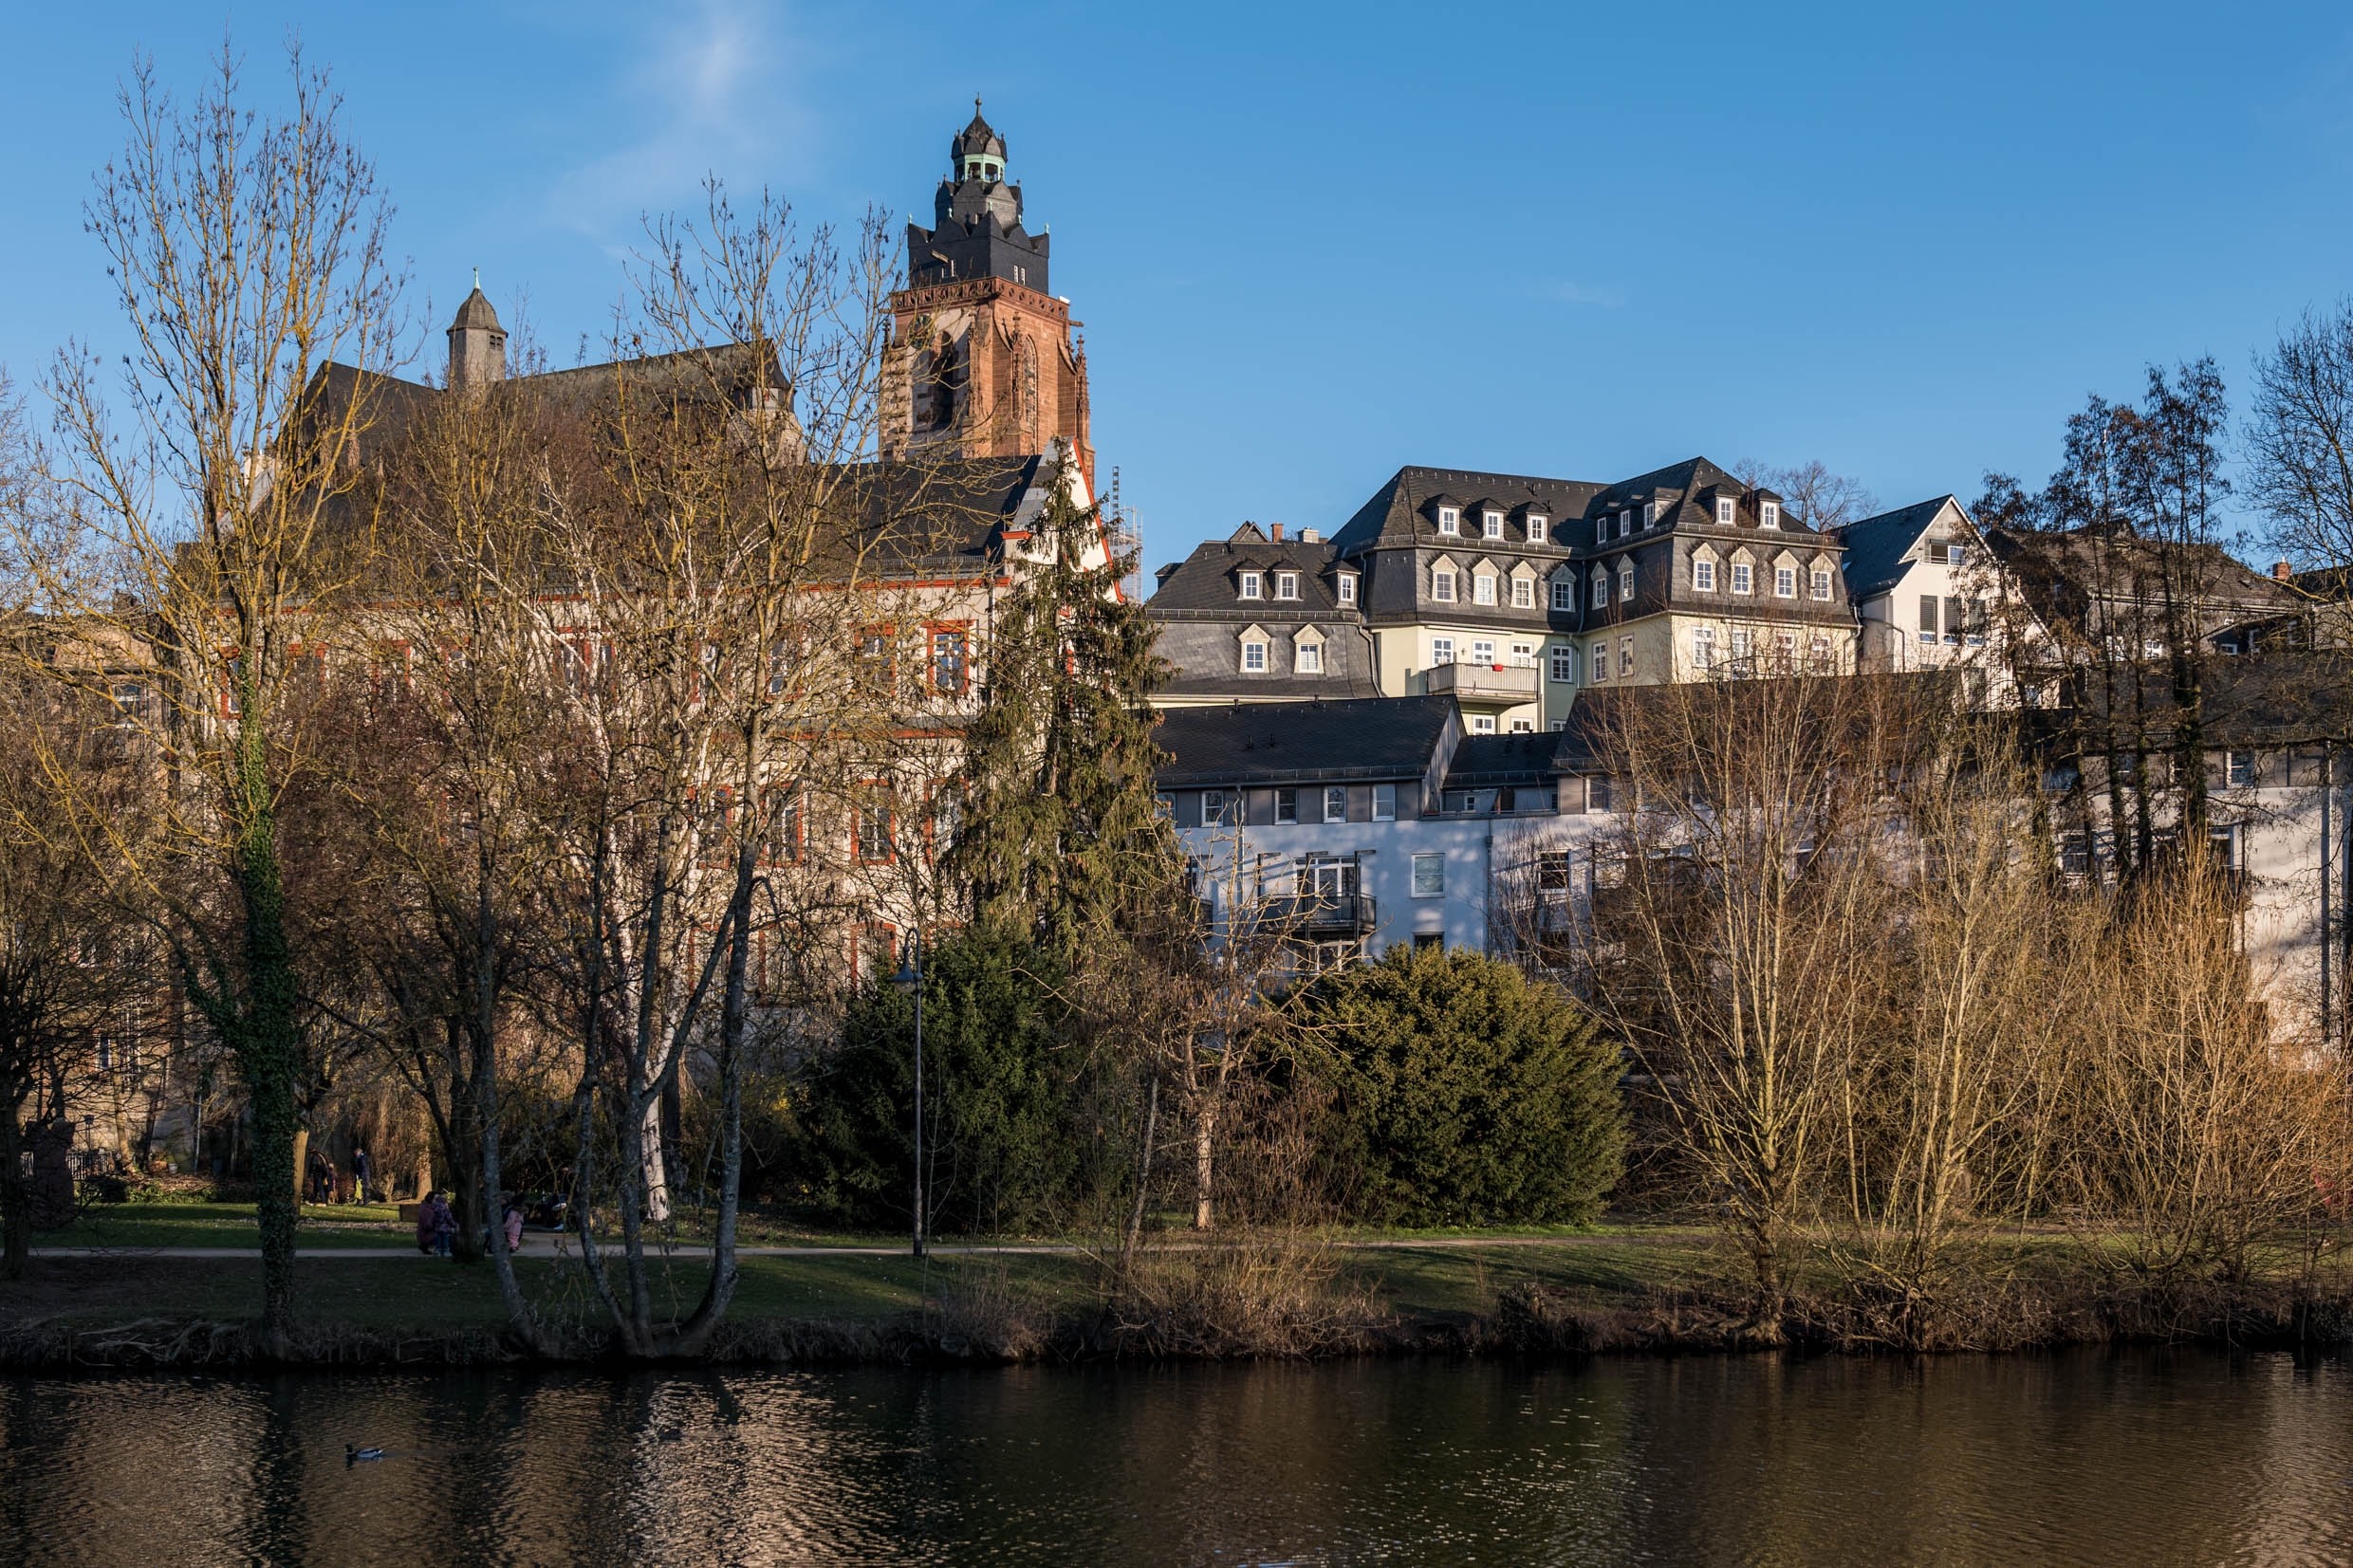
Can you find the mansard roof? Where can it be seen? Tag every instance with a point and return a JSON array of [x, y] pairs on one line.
[[1397, 512], [1202, 583], [1302, 741]]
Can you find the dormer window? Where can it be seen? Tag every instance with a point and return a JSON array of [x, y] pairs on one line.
[[1287, 585], [1821, 583], [1536, 522], [1768, 514], [1253, 656], [1565, 591], [1346, 585], [1483, 588], [1741, 577], [1523, 593], [1650, 513], [1724, 510], [1249, 586], [1703, 577], [1601, 588], [1450, 520], [1784, 583], [1442, 586], [1492, 524], [1625, 583]]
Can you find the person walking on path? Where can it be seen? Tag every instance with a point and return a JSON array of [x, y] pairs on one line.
[[360, 1172], [514, 1221], [322, 1176], [436, 1225]]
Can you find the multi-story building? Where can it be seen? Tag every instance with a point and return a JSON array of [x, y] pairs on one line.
[[1510, 594]]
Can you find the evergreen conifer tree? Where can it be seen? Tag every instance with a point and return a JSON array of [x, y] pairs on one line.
[[1063, 839]]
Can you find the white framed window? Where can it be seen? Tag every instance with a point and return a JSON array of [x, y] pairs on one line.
[[1740, 643], [1442, 586], [1537, 523], [1441, 651], [1345, 584], [1523, 593], [1927, 617], [1482, 651], [1249, 586], [1384, 803], [1741, 576], [1650, 513], [1625, 581], [1335, 802], [1216, 806], [1957, 555], [1822, 584], [1253, 658], [1601, 588], [1601, 527], [1521, 726], [1430, 876], [1482, 724], [1565, 591], [1287, 585], [1483, 588], [1726, 510], [1522, 655], [1703, 647], [1565, 663], [1492, 524], [2239, 769], [1768, 514], [1600, 661], [1625, 657], [1307, 659], [1784, 583], [1285, 807], [1703, 576], [1450, 521], [1626, 523]]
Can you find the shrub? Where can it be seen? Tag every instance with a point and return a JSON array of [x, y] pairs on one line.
[[1466, 1094], [999, 1095]]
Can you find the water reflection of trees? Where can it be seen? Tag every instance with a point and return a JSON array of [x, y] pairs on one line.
[[2135, 1457]]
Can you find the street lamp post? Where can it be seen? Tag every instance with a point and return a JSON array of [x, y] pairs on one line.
[[909, 979]]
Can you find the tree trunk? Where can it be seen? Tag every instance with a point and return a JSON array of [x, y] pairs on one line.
[[265, 1033], [1204, 1144], [301, 1164], [15, 1202]]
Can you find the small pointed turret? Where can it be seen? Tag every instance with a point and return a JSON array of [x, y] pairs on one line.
[[477, 343]]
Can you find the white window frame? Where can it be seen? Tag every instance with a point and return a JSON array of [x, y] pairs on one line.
[[1821, 583], [1490, 524], [1650, 513], [1450, 522], [1743, 577], [1429, 872], [1522, 655], [1703, 577], [1441, 585], [1287, 585], [1307, 657], [1768, 514], [1335, 802], [1483, 588], [1254, 650], [1784, 583], [1565, 591], [1537, 523], [1287, 806], [1727, 511], [1384, 803], [1625, 583], [1625, 657], [1482, 724], [1600, 661], [1441, 652], [1601, 589], [1523, 593], [1483, 651], [1249, 586], [1346, 587], [1703, 647], [1564, 662]]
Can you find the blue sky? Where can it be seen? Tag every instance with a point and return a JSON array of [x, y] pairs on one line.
[[1313, 243]]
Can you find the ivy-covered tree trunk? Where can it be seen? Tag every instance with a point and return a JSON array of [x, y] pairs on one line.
[[262, 1031]]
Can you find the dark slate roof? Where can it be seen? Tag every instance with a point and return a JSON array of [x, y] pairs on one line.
[[475, 312], [979, 136], [1398, 511], [1302, 742], [1203, 583], [1482, 761], [1206, 659], [1876, 546]]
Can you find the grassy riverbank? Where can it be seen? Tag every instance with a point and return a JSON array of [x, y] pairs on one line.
[[1622, 1288]]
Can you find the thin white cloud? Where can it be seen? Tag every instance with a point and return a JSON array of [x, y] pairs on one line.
[[1577, 293], [705, 97]]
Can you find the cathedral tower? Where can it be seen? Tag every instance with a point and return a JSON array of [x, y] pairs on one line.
[[983, 362]]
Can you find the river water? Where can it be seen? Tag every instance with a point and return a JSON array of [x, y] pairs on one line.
[[2137, 1457]]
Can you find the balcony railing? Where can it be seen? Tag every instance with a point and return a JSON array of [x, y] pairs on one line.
[[1507, 683], [1313, 913]]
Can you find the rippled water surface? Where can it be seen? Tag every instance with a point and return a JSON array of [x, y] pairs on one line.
[[2137, 1458]]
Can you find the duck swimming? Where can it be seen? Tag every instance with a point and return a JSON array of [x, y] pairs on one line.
[[356, 1456]]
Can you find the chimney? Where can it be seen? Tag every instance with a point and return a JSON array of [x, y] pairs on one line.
[[1308, 536], [1278, 531], [2282, 571]]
